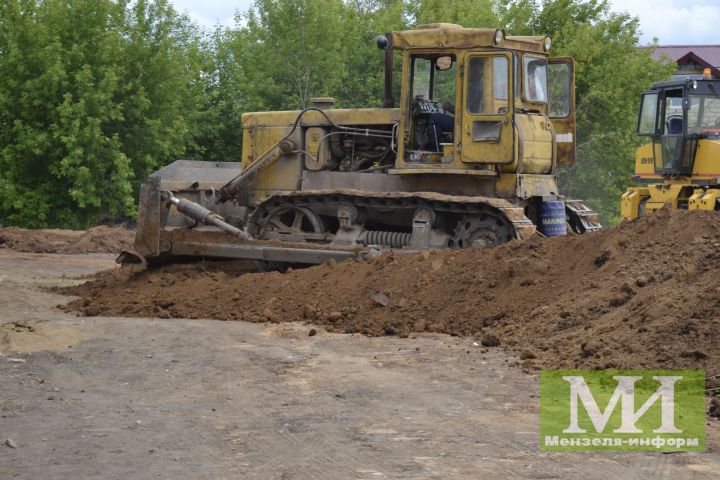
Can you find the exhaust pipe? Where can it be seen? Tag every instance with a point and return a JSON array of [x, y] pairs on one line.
[[385, 42]]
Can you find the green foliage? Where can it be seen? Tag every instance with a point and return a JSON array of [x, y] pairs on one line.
[[289, 51], [96, 94], [220, 138], [468, 13]]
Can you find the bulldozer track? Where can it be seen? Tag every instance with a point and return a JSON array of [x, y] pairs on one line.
[[521, 226]]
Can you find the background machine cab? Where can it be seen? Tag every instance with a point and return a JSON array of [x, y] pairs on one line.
[[679, 167]]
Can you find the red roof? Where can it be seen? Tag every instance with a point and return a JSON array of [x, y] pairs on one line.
[[709, 53]]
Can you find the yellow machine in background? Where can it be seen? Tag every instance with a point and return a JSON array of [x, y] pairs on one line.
[[680, 167], [467, 158]]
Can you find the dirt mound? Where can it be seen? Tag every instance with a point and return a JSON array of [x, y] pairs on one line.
[[100, 239], [643, 295]]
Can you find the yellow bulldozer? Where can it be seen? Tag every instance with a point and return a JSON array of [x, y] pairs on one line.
[[680, 166], [466, 158]]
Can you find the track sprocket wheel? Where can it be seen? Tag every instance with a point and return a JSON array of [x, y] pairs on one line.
[[484, 230]]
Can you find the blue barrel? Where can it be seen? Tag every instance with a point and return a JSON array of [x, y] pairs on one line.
[[552, 218]]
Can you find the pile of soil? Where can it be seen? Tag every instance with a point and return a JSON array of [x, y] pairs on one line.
[[100, 239], [642, 295]]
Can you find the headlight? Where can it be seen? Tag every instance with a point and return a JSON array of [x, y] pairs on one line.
[[547, 43], [381, 41], [499, 37]]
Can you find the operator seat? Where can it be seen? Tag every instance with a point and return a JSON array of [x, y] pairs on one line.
[[675, 126]]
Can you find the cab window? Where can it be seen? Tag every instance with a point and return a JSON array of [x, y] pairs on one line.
[[433, 82], [487, 85], [559, 83], [647, 123], [535, 74], [673, 113], [433, 78], [704, 114], [421, 78]]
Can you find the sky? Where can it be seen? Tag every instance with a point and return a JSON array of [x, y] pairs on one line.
[[672, 22]]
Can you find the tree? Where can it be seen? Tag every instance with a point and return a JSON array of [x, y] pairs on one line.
[[96, 94], [224, 99], [165, 62], [61, 79], [468, 13], [288, 51], [291, 50]]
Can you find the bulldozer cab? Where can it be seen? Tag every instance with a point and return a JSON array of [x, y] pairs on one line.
[[458, 107], [475, 101], [676, 115]]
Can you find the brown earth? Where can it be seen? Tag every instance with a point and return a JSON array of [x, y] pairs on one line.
[[32, 336], [146, 398], [100, 239], [643, 295]]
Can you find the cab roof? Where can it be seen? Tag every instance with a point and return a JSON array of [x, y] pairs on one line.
[[449, 35], [704, 85]]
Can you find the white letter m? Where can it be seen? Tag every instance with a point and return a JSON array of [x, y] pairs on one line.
[[625, 391]]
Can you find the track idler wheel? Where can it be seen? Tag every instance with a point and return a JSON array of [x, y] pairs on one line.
[[291, 224]]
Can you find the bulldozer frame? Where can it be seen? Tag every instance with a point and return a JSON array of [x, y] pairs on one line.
[[467, 159]]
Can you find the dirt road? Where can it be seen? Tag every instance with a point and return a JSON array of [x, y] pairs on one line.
[[137, 398]]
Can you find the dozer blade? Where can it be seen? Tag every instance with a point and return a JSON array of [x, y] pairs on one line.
[[127, 257], [179, 217]]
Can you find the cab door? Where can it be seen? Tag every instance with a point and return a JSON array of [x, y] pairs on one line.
[[561, 106], [674, 150], [488, 133]]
